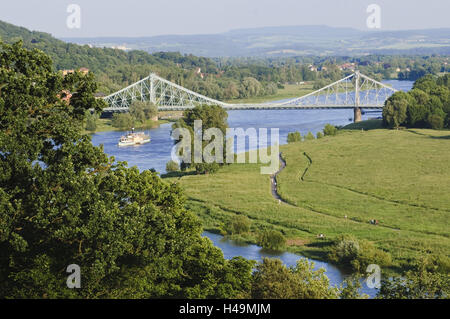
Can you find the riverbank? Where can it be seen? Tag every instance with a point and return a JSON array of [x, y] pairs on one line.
[[399, 178], [105, 125]]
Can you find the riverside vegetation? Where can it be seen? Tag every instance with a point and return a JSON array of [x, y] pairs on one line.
[[63, 202], [335, 186]]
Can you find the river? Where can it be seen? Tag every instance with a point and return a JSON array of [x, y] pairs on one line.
[[158, 152]]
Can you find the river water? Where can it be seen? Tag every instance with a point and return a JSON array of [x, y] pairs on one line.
[[158, 152]]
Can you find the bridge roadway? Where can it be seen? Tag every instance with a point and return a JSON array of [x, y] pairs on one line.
[[272, 107], [355, 91]]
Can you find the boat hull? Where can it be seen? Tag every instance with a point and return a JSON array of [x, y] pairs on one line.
[[134, 143]]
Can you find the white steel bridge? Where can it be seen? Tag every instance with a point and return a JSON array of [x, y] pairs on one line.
[[355, 91]]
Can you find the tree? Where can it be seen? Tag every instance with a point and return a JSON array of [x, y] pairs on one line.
[[424, 281], [436, 120], [319, 135], [395, 110], [271, 239], [63, 201], [240, 224], [309, 136], [142, 111], [417, 111], [211, 116], [172, 166], [426, 105], [136, 110], [357, 254], [123, 121], [294, 137], [273, 280], [91, 121], [330, 130]]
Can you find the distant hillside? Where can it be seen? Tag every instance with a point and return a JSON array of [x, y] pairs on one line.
[[294, 40], [114, 68]]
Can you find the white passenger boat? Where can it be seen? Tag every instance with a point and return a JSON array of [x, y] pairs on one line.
[[134, 139]]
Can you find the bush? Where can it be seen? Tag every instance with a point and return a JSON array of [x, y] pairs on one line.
[[172, 166], [424, 281], [319, 135], [435, 121], [91, 121], [206, 168], [122, 121], [330, 130], [426, 105], [357, 255], [309, 136], [271, 239], [273, 280], [294, 137], [143, 110], [241, 224]]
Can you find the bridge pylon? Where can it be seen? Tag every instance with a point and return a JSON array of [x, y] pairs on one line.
[[357, 109]]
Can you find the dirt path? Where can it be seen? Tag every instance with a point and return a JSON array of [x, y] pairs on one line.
[[273, 181]]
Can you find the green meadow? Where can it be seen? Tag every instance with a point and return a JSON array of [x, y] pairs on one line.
[[335, 186]]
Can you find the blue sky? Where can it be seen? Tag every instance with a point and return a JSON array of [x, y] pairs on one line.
[[160, 17]]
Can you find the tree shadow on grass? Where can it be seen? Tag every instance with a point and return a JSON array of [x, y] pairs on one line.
[[178, 174], [441, 137]]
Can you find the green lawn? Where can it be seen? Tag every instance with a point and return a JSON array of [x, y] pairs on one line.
[[104, 125], [289, 91], [400, 177]]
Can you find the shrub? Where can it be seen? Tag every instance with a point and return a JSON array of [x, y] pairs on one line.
[[357, 255], [91, 121], [309, 136], [122, 121], [206, 168], [273, 280], [271, 239], [319, 135], [172, 166], [436, 121], [294, 137], [241, 224], [330, 130]]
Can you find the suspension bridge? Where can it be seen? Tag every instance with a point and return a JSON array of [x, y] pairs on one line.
[[355, 91]]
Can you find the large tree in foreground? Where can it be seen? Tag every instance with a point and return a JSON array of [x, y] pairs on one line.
[[63, 201]]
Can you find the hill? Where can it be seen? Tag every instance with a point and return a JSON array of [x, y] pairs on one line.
[[114, 68], [289, 41]]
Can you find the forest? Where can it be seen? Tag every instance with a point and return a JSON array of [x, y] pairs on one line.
[[218, 78]]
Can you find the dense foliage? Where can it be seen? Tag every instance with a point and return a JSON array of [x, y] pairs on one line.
[[424, 281], [222, 78], [294, 137], [273, 280], [63, 201], [271, 239], [427, 105], [211, 116], [140, 113], [357, 254]]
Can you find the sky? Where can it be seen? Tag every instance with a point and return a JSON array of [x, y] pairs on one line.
[[134, 18]]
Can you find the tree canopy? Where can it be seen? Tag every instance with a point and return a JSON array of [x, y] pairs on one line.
[[63, 201], [426, 105]]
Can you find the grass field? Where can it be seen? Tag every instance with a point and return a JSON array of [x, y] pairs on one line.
[[104, 125], [289, 91], [334, 186]]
